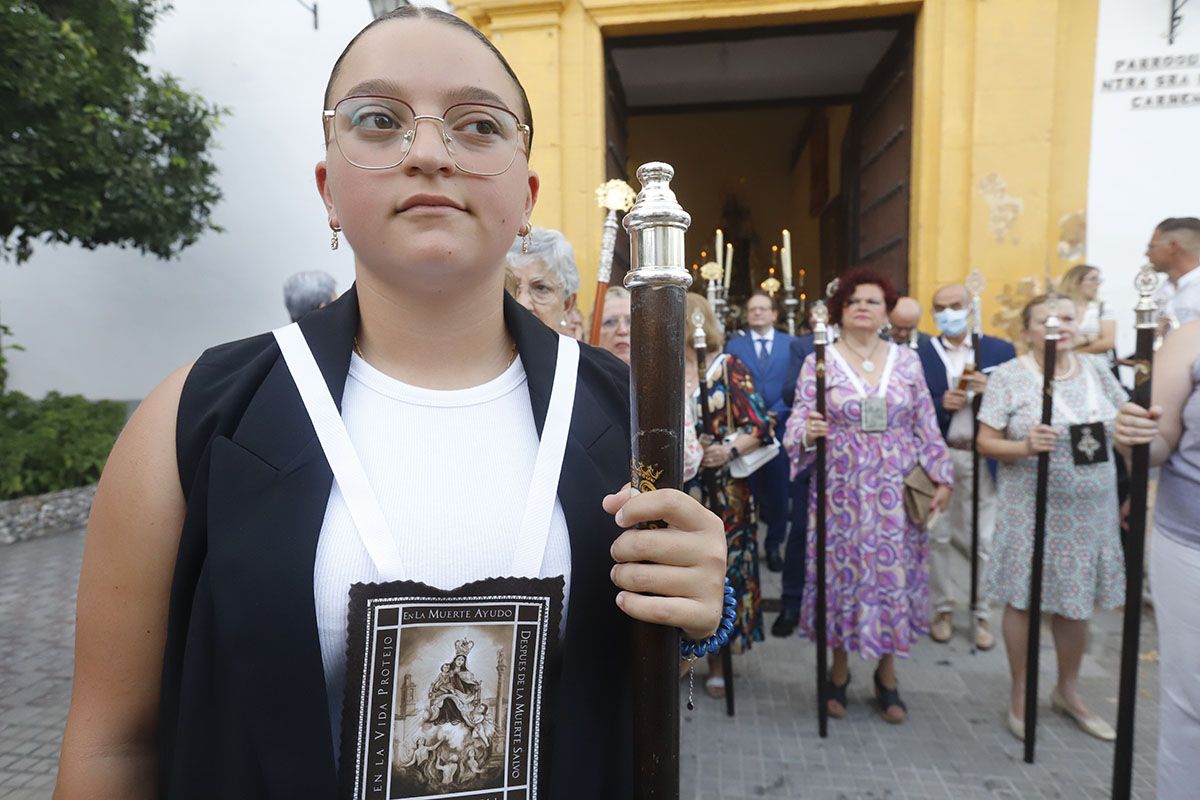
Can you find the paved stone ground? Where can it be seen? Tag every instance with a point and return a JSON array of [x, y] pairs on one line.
[[953, 746]]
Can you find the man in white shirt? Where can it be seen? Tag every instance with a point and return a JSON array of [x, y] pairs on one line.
[[955, 374], [1174, 249]]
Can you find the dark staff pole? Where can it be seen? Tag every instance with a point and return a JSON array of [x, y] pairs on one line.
[[821, 338], [1139, 476], [710, 477], [616, 195], [657, 283], [975, 287], [1049, 360]]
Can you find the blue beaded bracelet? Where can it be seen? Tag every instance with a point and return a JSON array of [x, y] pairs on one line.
[[711, 644]]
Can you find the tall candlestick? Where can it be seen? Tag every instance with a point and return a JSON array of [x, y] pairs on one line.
[[720, 245], [728, 264], [787, 260]]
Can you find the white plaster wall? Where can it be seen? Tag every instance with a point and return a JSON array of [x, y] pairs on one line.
[[111, 323], [1145, 163]]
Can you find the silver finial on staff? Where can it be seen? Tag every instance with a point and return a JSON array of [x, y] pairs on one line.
[[657, 283], [615, 195], [1146, 313]]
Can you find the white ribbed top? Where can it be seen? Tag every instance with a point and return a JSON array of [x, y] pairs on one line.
[[451, 470]]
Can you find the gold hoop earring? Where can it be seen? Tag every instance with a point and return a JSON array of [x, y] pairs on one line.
[[333, 240], [524, 234]]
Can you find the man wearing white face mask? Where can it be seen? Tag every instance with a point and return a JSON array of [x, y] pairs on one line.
[[955, 375]]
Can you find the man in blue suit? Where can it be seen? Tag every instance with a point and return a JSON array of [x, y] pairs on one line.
[[950, 362], [767, 352], [797, 541], [903, 322]]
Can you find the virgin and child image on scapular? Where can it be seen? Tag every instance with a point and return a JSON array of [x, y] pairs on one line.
[[446, 738]]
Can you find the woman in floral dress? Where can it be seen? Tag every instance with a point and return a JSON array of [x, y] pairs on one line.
[[1084, 567], [734, 405], [877, 573]]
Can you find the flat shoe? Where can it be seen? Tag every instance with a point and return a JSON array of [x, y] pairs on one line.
[[984, 638], [714, 686], [1092, 726], [1016, 726], [942, 628]]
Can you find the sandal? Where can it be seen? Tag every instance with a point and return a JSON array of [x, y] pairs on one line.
[[836, 694], [889, 699], [714, 686]]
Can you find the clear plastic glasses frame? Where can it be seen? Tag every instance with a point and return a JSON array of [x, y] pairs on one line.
[[377, 148]]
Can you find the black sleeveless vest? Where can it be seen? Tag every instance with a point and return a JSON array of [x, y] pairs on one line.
[[243, 710]]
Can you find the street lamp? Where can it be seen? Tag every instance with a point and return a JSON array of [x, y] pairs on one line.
[[381, 7]]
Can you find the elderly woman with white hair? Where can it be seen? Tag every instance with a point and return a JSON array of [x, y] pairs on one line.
[[542, 276]]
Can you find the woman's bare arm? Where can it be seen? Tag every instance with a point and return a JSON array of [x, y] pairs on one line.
[[1106, 341], [110, 745]]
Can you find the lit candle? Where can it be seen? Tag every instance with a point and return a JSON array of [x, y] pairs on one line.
[[787, 260], [720, 248], [728, 264]]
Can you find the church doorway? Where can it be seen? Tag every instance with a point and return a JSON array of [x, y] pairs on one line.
[[805, 127]]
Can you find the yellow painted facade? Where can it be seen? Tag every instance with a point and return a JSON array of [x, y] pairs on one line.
[[1002, 116]]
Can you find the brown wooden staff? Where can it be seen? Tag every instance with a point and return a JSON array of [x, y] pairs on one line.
[[821, 338], [1139, 477], [710, 477], [1049, 360], [657, 283], [614, 196]]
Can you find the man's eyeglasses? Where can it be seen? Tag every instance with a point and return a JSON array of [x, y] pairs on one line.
[[377, 132]]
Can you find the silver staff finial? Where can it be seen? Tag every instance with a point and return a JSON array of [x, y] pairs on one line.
[[1146, 309], [656, 225], [820, 316], [699, 340]]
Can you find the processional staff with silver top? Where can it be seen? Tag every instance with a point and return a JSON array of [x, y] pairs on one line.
[[821, 339], [1139, 477], [658, 282], [1050, 358], [975, 284]]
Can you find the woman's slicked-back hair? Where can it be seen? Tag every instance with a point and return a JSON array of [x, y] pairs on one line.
[[859, 276], [435, 15]]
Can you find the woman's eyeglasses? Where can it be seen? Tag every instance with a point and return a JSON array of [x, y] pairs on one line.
[[376, 132]]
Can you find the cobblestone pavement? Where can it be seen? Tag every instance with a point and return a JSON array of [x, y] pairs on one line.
[[953, 746]]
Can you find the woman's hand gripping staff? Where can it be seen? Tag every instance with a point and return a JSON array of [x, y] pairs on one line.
[[674, 575]]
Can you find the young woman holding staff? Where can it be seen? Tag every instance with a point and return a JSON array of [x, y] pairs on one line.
[[212, 619], [1084, 568], [880, 426]]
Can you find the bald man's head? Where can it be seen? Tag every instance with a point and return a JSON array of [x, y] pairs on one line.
[[905, 317]]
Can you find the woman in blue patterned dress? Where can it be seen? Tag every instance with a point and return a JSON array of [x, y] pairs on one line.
[[1084, 567], [877, 557]]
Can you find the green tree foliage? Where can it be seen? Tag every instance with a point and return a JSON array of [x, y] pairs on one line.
[[93, 149], [55, 443]]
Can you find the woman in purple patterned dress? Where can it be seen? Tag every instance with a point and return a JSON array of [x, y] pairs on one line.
[[881, 425]]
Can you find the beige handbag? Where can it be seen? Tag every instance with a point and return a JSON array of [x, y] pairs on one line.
[[918, 494]]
